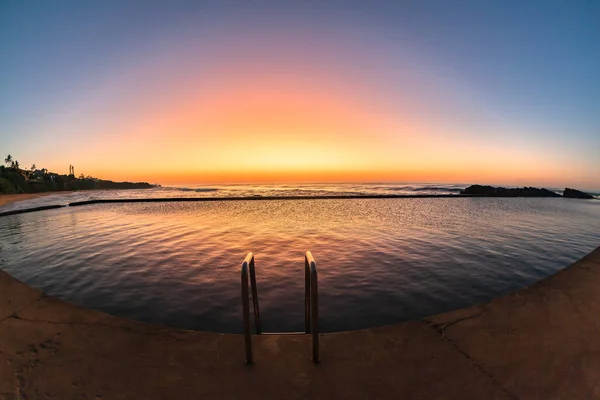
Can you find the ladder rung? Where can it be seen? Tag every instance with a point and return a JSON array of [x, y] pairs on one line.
[[283, 333]]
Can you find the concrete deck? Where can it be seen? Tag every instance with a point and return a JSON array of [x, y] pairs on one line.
[[542, 342]]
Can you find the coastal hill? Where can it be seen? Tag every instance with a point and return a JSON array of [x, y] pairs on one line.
[[14, 180], [480, 190]]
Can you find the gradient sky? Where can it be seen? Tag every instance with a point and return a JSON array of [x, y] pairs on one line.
[[501, 92]]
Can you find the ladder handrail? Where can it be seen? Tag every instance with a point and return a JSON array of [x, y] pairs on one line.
[[254, 288], [311, 303], [248, 268]]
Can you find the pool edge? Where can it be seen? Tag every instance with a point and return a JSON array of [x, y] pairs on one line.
[[540, 341]]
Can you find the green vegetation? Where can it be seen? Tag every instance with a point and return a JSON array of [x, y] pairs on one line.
[[13, 179]]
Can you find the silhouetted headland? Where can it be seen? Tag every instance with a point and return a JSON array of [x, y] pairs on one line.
[[15, 180]]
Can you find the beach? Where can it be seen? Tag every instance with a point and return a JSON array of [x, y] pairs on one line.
[[11, 198], [6, 199]]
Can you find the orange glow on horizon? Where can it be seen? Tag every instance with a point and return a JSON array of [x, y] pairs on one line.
[[301, 124], [309, 92]]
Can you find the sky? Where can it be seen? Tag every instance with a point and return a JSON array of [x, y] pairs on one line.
[[496, 92]]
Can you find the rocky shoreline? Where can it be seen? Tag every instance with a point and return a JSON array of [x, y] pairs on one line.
[[491, 191], [576, 194]]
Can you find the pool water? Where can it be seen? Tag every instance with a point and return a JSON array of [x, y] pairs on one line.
[[380, 261]]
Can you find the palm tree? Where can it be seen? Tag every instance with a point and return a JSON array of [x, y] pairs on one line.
[[8, 160], [33, 167], [16, 165]]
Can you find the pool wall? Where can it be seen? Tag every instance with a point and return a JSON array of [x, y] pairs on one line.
[[245, 198]]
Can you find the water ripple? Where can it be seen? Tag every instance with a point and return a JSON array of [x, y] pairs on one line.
[[380, 261]]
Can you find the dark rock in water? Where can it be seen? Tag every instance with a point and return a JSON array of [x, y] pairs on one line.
[[576, 194], [491, 191]]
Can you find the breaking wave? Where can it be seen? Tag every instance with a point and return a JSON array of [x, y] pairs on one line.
[[198, 190]]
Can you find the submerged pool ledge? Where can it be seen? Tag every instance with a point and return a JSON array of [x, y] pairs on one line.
[[541, 342]]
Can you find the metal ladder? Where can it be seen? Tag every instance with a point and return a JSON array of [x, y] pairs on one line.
[[311, 303]]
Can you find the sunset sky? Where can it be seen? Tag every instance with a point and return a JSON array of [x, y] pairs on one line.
[[499, 92]]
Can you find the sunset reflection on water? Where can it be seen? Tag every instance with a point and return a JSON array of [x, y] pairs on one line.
[[380, 261]]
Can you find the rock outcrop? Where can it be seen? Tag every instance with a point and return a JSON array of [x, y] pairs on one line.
[[576, 194], [491, 191]]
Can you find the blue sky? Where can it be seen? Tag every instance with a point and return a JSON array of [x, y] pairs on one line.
[[521, 76]]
